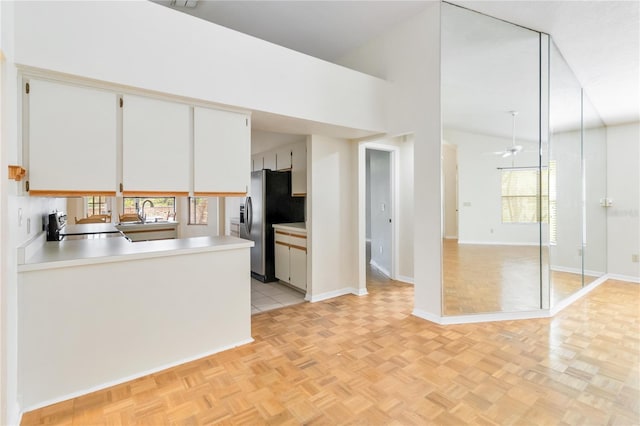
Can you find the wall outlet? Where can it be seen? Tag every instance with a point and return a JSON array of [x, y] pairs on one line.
[[580, 252], [491, 231], [635, 258]]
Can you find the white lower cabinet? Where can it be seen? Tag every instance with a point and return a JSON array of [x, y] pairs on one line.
[[291, 257], [282, 262], [298, 267]]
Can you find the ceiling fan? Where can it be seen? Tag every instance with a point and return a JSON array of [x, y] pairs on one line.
[[513, 149]]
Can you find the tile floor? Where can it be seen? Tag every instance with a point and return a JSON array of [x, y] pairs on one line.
[[269, 296]]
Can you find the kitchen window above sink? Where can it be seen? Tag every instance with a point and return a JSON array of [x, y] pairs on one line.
[[148, 209]]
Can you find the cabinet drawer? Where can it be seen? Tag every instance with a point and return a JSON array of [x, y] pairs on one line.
[[288, 238], [298, 240]]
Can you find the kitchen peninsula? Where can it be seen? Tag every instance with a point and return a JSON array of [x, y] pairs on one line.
[[96, 312]]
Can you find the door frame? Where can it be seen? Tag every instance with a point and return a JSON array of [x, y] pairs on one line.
[[394, 151]]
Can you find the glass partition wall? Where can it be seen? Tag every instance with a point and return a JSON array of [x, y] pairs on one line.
[[523, 168]]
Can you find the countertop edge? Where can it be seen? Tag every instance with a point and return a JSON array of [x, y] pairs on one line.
[[222, 245], [292, 227]]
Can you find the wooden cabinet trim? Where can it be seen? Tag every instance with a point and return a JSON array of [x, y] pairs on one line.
[[304, 249], [220, 194], [155, 193], [291, 234], [140, 231], [65, 193]]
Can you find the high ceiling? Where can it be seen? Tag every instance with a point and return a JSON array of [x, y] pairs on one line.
[[600, 40]]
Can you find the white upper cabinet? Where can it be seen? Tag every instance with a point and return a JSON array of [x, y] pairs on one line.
[[72, 135], [283, 158], [222, 152], [269, 160], [299, 170], [155, 146], [257, 161]]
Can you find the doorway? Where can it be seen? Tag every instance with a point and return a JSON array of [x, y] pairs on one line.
[[377, 213], [378, 210]]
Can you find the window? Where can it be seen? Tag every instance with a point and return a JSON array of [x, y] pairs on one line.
[[97, 205], [161, 208], [198, 210], [520, 189]]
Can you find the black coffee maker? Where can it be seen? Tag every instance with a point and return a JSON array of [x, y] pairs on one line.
[[55, 222]]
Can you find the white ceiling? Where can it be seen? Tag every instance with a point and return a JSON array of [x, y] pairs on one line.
[[600, 40]]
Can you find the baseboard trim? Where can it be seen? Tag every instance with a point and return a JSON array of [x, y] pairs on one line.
[[337, 293], [627, 278], [496, 243], [476, 318], [577, 295], [133, 376], [405, 279], [578, 271], [379, 268], [510, 316]]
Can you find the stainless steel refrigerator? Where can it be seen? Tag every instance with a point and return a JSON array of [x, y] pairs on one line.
[[269, 202]]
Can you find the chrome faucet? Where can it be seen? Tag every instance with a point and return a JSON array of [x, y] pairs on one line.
[[143, 216]]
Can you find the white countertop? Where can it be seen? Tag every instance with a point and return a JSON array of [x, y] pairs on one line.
[[61, 254], [139, 225], [299, 227], [88, 229]]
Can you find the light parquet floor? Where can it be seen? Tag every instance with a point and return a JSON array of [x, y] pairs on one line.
[[366, 360], [481, 278]]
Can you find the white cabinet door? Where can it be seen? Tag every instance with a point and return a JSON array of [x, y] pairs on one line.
[[156, 142], [298, 267], [222, 152], [71, 140], [269, 160], [299, 170], [282, 261], [257, 162], [283, 159]]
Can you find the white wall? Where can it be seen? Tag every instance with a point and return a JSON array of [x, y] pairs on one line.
[[266, 141], [566, 151], [20, 217], [623, 187], [450, 190], [129, 43], [595, 164], [479, 196], [406, 211], [408, 56], [86, 327], [332, 220]]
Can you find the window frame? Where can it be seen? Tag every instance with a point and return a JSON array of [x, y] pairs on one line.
[[193, 205]]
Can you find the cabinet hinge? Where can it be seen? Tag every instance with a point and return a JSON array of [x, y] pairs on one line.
[[121, 102], [27, 88], [121, 187], [26, 186]]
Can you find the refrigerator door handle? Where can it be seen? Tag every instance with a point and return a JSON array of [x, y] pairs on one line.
[[249, 212]]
